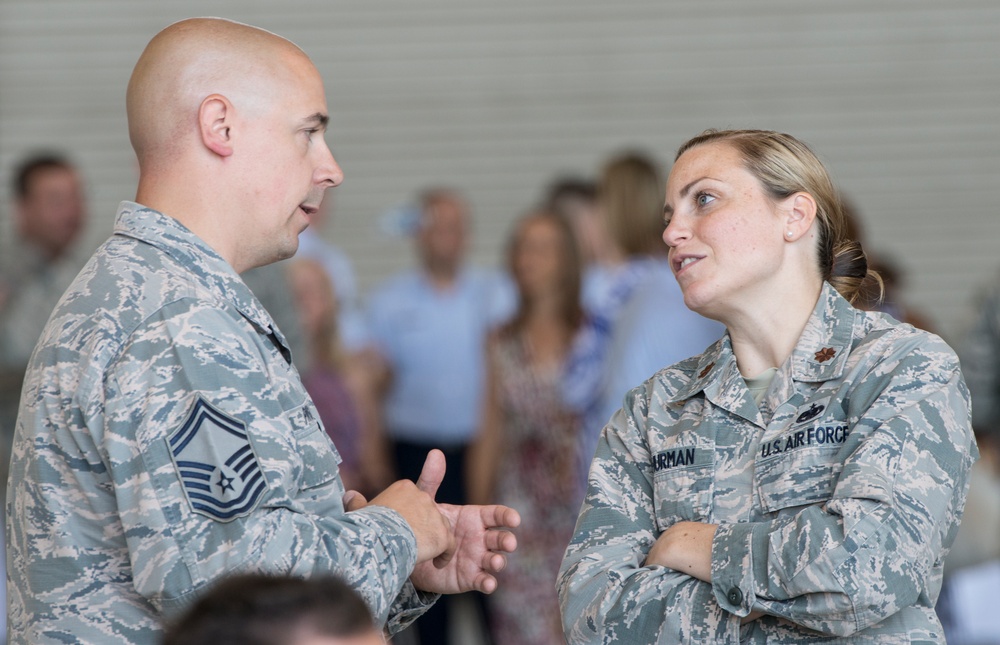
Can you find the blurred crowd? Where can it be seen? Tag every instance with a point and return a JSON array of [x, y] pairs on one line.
[[511, 372]]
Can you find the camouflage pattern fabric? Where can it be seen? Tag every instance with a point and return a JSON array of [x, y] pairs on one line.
[[164, 440], [836, 499]]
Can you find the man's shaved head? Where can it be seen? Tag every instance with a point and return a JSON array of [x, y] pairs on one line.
[[228, 122], [191, 60]]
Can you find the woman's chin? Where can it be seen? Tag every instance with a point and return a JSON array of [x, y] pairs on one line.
[[695, 300], [703, 306]]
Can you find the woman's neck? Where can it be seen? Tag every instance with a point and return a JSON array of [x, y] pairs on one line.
[[765, 336], [545, 329]]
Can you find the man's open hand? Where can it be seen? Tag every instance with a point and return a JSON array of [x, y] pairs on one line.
[[481, 542], [476, 539]]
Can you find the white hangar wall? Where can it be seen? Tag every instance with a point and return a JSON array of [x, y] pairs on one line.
[[901, 99]]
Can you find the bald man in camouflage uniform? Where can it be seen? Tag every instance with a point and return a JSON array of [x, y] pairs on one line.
[[164, 438], [836, 499]]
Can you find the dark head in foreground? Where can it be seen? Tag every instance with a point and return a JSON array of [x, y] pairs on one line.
[[272, 610]]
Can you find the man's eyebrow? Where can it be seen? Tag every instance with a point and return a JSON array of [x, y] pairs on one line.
[[319, 119]]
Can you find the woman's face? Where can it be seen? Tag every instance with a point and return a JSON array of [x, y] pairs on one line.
[[537, 258], [724, 233]]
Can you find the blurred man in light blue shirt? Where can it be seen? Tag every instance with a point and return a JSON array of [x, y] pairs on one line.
[[430, 325]]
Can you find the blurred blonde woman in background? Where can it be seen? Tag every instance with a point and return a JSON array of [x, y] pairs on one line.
[[639, 320], [325, 371], [526, 452]]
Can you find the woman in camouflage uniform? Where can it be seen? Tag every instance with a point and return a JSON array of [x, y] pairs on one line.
[[802, 480]]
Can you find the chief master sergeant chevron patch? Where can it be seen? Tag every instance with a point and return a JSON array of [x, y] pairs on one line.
[[216, 463]]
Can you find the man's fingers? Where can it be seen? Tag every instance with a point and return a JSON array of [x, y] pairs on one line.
[[485, 583], [432, 473], [353, 500], [501, 541], [496, 515], [442, 560], [494, 562]]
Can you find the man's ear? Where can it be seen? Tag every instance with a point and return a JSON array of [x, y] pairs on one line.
[[801, 215], [215, 116]]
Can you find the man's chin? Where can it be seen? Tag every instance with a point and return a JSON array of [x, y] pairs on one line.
[[283, 252], [288, 251]]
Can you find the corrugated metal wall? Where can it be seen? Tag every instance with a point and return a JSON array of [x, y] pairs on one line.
[[900, 98]]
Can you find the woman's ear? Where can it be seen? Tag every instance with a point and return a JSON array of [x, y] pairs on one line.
[[215, 117], [801, 213]]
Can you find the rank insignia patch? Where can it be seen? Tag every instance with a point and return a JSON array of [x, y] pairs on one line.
[[216, 463], [825, 354]]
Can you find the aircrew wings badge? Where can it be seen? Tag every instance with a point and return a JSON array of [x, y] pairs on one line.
[[216, 463]]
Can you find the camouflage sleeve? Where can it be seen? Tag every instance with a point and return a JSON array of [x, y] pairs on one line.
[[606, 594], [184, 375], [867, 552]]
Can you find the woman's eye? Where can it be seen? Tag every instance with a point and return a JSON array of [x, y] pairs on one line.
[[703, 199]]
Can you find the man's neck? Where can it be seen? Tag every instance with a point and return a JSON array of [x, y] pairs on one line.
[[442, 278]]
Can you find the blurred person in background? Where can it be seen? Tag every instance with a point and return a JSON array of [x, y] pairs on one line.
[[353, 330], [643, 320], [430, 326], [526, 452], [980, 353], [255, 609], [576, 200], [325, 367], [49, 215], [892, 302], [362, 361], [972, 570], [885, 296]]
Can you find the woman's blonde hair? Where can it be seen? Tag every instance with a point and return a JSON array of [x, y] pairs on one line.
[[631, 198], [784, 166]]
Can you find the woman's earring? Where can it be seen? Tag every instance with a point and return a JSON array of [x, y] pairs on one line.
[[788, 233]]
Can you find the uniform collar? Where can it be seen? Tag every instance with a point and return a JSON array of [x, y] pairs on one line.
[[717, 375], [190, 251], [820, 355], [459, 285], [824, 346]]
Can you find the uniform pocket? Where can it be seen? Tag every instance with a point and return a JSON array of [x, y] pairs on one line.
[[797, 478], [683, 483], [320, 459]]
